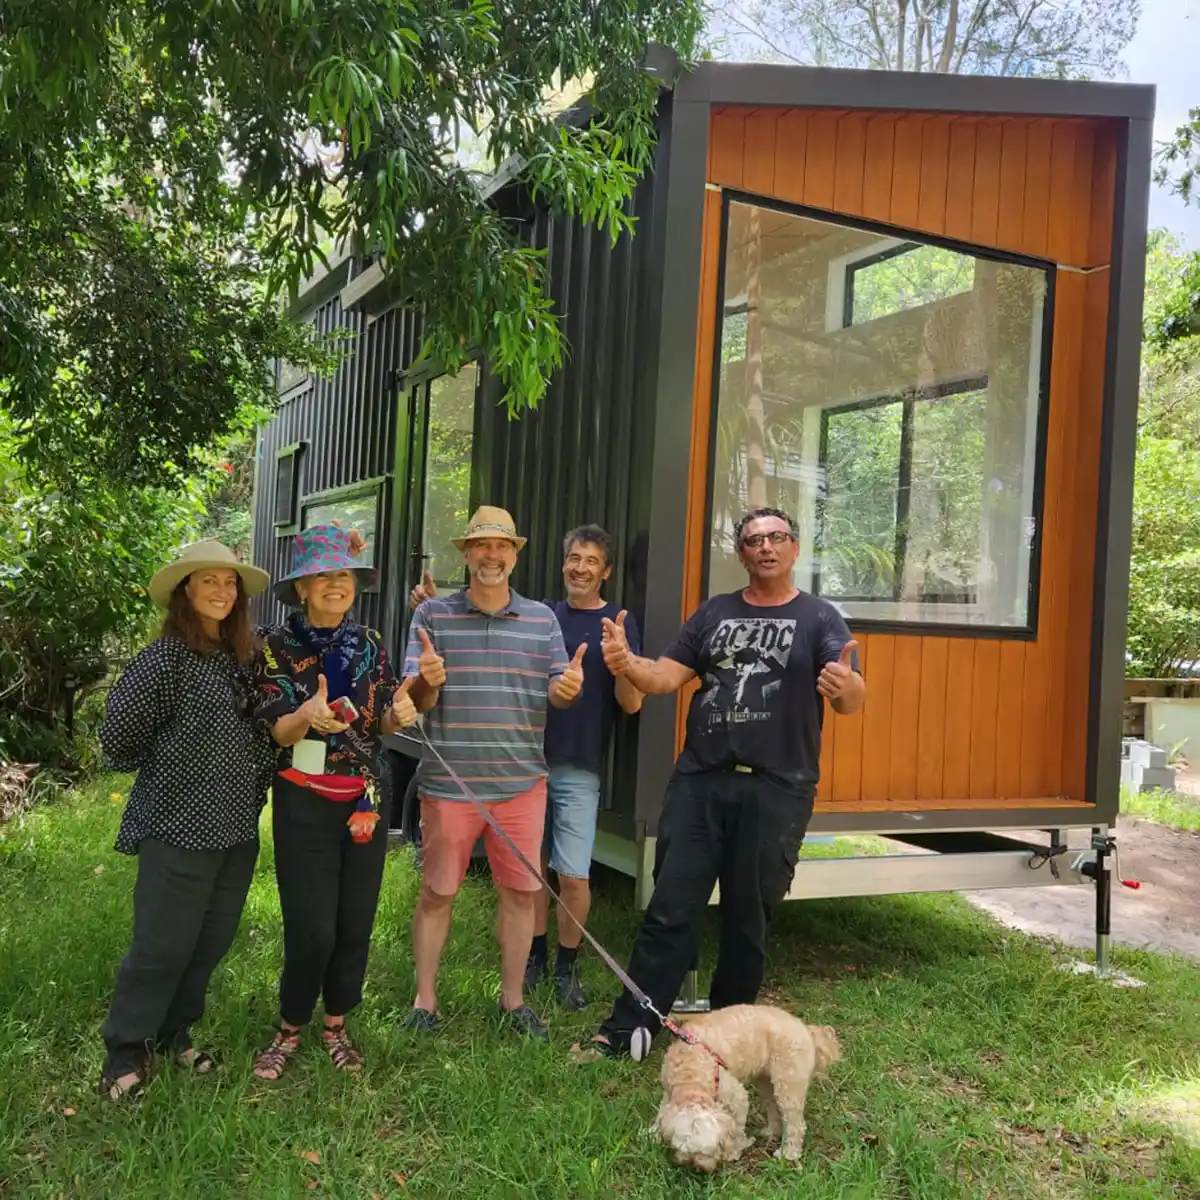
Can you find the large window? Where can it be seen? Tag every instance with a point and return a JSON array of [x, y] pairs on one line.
[[353, 507], [887, 393], [448, 473]]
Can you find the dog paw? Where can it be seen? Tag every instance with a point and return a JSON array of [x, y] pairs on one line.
[[789, 1154]]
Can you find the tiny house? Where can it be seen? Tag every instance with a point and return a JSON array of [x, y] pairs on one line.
[[907, 309]]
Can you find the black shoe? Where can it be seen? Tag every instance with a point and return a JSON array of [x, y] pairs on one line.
[[420, 1020], [570, 991], [536, 969], [526, 1022]]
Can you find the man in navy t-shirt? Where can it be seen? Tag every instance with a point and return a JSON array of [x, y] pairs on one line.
[[576, 743]]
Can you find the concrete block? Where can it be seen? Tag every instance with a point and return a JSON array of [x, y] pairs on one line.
[[1146, 754], [1128, 767], [1155, 778]]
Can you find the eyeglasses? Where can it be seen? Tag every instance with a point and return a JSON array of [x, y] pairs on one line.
[[776, 537]]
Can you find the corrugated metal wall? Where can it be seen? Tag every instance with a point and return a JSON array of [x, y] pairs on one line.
[[349, 423], [584, 455]]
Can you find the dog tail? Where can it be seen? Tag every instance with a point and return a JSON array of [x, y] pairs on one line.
[[828, 1047]]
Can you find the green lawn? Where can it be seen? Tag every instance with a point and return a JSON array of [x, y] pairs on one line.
[[972, 1067]]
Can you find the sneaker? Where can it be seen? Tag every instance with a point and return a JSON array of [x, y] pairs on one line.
[[570, 991], [526, 1022], [536, 969], [420, 1020]]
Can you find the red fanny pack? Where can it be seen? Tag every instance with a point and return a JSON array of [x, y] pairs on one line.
[[340, 788]]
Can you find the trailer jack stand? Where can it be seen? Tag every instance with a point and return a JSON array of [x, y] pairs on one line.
[[689, 1001], [1101, 870]]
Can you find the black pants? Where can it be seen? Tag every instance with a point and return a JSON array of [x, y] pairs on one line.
[[743, 831], [328, 891], [186, 908]]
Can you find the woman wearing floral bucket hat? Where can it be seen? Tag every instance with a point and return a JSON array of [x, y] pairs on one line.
[[328, 692], [182, 716]]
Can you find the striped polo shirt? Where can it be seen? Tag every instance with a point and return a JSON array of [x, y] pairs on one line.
[[490, 718]]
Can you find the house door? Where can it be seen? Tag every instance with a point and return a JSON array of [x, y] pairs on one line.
[[441, 441]]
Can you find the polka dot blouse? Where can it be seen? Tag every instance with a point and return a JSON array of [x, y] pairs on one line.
[[185, 723]]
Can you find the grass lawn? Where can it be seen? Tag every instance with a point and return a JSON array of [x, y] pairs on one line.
[[972, 1067]]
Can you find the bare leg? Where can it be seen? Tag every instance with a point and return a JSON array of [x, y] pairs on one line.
[[514, 930], [766, 1095], [541, 904], [577, 899], [430, 929]]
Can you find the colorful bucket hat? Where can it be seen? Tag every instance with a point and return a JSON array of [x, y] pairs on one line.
[[318, 550]]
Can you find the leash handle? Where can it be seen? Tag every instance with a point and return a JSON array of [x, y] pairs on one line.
[[608, 960]]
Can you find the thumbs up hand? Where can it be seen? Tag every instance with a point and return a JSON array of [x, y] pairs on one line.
[[317, 712], [834, 677], [425, 590], [431, 664], [614, 645], [570, 682], [402, 711]]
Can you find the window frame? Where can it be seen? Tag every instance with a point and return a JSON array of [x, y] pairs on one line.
[[901, 237], [376, 487], [291, 525]]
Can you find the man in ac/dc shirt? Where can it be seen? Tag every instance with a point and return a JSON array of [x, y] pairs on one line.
[[739, 802]]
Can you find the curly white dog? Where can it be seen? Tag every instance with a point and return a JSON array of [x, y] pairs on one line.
[[702, 1117]]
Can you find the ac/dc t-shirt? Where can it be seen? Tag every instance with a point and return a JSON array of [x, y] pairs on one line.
[[758, 665]]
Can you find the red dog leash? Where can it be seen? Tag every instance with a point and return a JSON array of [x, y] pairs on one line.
[[684, 1035]]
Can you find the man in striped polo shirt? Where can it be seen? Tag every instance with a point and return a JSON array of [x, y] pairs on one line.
[[484, 662]]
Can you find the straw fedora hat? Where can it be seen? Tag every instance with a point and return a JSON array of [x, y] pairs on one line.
[[489, 522], [197, 557]]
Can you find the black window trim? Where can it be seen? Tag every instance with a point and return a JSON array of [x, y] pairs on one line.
[[1010, 633], [290, 526], [377, 486]]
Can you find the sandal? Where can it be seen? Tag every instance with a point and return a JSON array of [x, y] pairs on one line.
[[273, 1061], [111, 1087], [343, 1053], [199, 1062]]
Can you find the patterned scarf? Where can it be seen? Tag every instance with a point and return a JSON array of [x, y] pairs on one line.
[[335, 647]]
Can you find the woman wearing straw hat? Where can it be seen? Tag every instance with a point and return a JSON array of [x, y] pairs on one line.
[[182, 717], [328, 691]]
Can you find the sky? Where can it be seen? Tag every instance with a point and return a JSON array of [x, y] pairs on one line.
[[1166, 52]]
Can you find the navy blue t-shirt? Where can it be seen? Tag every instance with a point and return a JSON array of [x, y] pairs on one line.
[[578, 735]]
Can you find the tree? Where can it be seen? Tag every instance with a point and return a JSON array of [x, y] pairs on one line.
[[161, 159], [1063, 39]]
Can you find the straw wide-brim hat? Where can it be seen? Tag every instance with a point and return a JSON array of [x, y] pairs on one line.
[[489, 522], [316, 551], [200, 556]]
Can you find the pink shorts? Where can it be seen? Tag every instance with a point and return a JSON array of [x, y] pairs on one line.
[[450, 829]]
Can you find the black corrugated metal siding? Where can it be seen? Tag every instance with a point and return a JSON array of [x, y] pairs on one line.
[[584, 455], [349, 423]]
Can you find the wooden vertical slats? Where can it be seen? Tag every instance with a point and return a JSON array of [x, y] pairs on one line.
[[951, 718]]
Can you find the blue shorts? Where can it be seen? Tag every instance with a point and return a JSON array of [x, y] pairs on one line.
[[572, 806]]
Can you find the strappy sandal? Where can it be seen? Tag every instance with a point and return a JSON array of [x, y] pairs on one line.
[[112, 1089], [343, 1053], [272, 1062]]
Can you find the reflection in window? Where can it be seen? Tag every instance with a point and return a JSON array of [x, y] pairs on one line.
[[903, 277], [448, 474], [359, 512], [886, 393]]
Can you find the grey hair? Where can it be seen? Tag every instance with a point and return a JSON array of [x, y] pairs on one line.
[[753, 515], [590, 535]]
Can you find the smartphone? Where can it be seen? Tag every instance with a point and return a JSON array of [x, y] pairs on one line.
[[343, 710]]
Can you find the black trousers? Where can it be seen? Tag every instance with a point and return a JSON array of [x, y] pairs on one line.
[[186, 908], [328, 892], [740, 830]]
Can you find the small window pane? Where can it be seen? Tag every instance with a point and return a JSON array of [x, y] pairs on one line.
[[286, 480], [907, 277], [359, 512], [886, 394]]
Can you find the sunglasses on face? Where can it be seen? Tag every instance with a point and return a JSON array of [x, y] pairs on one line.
[[776, 537]]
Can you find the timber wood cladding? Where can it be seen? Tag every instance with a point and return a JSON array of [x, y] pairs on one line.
[[952, 721]]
